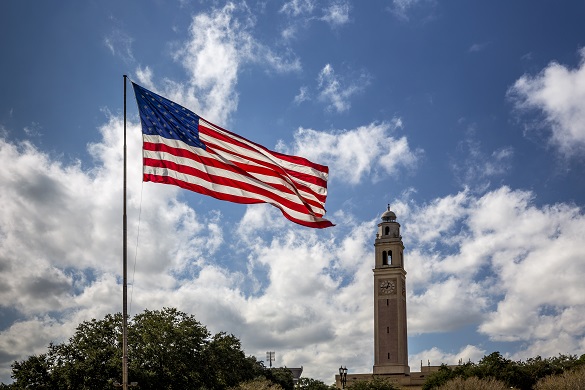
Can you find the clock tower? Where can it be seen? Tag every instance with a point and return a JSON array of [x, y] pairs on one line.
[[390, 336]]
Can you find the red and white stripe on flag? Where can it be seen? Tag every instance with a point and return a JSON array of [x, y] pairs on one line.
[[232, 168]]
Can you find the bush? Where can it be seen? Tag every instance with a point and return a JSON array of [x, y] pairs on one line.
[[375, 384], [257, 384], [568, 380], [474, 383]]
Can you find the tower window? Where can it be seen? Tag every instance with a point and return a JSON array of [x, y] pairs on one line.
[[384, 258], [389, 257], [387, 329], [387, 230]]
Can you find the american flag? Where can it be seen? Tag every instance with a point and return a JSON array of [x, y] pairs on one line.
[[183, 149]]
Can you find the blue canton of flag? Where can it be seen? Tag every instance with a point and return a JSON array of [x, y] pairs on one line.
[[166, 118]]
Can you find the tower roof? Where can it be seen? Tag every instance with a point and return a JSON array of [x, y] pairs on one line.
[[388, 215]]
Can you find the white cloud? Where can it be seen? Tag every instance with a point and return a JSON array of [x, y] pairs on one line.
[[301, 13], [120, 44], [144, 76], [401, 7], [281, 63], [429, 223], [337, 14], [477, 47], [220, 44], [418, 9], [62, 237], [302, 96], [310, 291], [289, 32], [298, 7], [435, 357], [335, 91], [61, 258], [557, 92], [30, 336], [34, 130], [502, 263], [354, 154], [475, 167], [258, 218], [497, 262], [446, 306]]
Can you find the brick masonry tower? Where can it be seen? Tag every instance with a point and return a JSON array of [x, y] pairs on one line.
[[390, 334]]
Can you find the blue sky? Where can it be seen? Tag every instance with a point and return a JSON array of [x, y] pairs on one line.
[[466, 117]]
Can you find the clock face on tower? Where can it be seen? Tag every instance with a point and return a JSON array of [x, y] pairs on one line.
[[387, 287]]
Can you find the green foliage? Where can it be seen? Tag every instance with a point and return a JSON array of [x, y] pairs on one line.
[[311, 384], [281, 376], [569, 380], [519, 375], [32, 373], [167, 349], [498, 367], [225, 351], [163, 348], [439, 378], [87, 361], [375, 383]]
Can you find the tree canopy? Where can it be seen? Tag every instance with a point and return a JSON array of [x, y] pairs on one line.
[[311, 384], [521, 375], [167, 349]]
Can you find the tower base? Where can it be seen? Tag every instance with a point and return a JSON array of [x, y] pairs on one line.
[[393, 369]]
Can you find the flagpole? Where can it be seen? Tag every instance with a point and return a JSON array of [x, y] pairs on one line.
[[125, 269]]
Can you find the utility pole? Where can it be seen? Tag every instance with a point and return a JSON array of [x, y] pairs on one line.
[[270, 358]]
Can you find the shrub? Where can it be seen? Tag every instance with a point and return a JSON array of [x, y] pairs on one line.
[[474, 383], [257, 384], [375, 383], [568, 380]]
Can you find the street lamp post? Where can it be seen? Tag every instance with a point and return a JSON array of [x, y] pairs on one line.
[[343, 376]]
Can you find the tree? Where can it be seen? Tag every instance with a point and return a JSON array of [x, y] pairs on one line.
[[311, 384], [89, 360], [32, 373], [166, 348], [439, 378], [227, 364], [519, 375], [496, 366], [281, 376]]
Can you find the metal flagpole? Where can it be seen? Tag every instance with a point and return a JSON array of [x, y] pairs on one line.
[[125, 270]]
